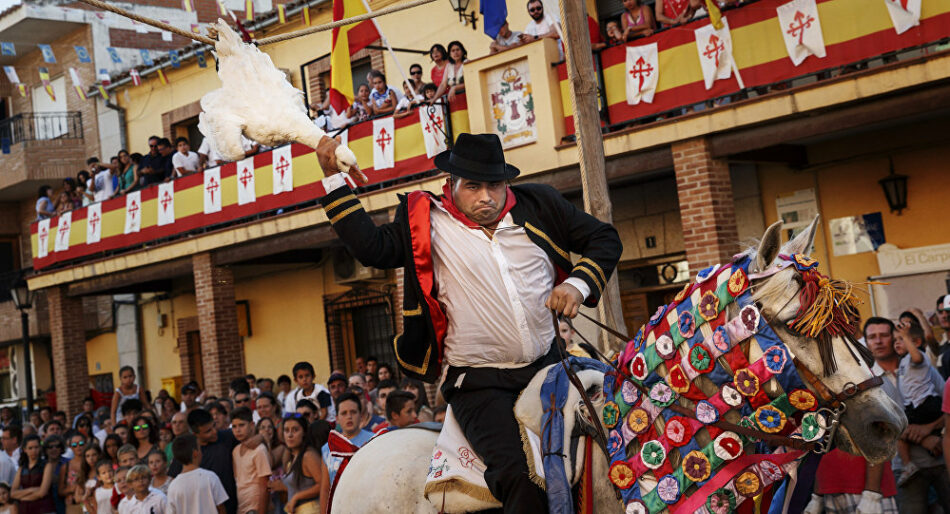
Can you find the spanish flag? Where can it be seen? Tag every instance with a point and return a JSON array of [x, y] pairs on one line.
[[281, 14], [347, 40], [162, 77], [306, 15]]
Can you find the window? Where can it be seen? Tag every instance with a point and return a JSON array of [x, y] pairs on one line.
[[50, 127], [359, 324]]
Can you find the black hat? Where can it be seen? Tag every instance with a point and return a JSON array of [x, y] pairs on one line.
[[477, 157]]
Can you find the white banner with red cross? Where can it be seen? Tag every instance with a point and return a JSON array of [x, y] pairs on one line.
[[801, 29], [166, 203], [212, 190], [642, 72], [62, 232], [42, 238], [433, 128], [93, 223], [904, 14], [384, 144], [283, 170], [245, 181], [133, 212], [715, 52]]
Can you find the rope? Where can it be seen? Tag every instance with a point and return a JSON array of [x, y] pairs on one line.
[[338, 23], [148, 21]]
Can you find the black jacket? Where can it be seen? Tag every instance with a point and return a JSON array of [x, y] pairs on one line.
[[550, 221]]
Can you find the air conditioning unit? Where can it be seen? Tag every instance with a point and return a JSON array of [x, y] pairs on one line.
[[347, 270]]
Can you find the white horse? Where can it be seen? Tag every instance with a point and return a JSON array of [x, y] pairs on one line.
[[389, 473]]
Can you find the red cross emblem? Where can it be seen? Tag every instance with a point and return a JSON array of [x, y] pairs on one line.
[[212, 187], [383, 139], [641, 70], [133, 210], [797, 27], [94, 220], [434, 121], [246, 178], [43, 235], [714, 48], [166, 199], [282, 167], [63, 232]]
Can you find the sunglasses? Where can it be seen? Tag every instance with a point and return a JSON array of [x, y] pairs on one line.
[[536, 9], [294, 415], [416, 72], [80, 443], [138, 428], [241, 400]]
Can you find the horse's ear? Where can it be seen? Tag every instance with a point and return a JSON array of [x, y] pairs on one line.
[[803, 241], [769, 246]]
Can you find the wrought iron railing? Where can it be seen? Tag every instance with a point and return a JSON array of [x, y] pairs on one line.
[[41, 126]]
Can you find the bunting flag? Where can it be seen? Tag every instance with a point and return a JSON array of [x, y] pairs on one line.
[[7, 48], [136, 78], [187, 6], [166, 203], [146, 58], [103, 77], [173, 57], [283, 166], [715, 52], [383, 143], [281, 14], [432, 126], [11, 74], [212, 190], [162, 77], [904, 14], [103, 92], [42, 238], [347, 40], [305, 12], [48, 56], [82, 54], [77, 83], [643, 71], [93, 223], [195, 28], [24, 92], [133, 212], [801, 30], [62, 232], [249, 10], [200, 56], [114, 55], [245, 178], [44, 78]]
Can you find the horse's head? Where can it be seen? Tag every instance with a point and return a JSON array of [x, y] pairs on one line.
[[872, 422]]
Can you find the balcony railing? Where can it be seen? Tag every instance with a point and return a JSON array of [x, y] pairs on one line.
[[241, 191], [40, 126], [856, 34]]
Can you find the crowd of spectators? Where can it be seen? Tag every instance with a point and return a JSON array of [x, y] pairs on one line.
[[263, 448]]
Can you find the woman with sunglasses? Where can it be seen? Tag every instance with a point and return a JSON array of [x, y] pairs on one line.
[[71, 479], [144, 439], [84, 426], [303, 465], [33, 484]]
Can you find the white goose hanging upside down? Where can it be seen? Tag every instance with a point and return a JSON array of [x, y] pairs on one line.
[[256, 100]]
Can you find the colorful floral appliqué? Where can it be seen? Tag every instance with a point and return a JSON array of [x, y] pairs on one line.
[[696, 466], [721, 339], [748, 483], [737, 282], [678, 431], [722, 501], [636, 507], [653, 454], [638, 420], [700, 359], [686, 324], [611, 414], [661, 394], [803, 399], [709, 306], [730, 396], [668, 489], [706, 413], [657, 316], [638, 367], [746, 382], [727, 446], [775, 359], [750, 317], [629, 393], [621, 475], [677, 379], [665, 347], [770, 419]]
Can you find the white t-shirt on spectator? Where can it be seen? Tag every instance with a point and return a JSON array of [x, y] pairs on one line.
[[104, 189], [154, 503], [540, 28], [196, 491], [7, 468], [189, 162], [405, 103], [214, 158]]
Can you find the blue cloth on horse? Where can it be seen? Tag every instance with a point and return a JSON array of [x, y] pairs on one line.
[[557, 384]]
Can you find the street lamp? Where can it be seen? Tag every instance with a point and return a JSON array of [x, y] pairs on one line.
[[460, 6], [23, 301], [895, 189]]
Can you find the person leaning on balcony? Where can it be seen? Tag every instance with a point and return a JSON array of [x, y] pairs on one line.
[[541, 25], [453, 82], [383, 97], [637, 20], [101, 185], [415, 77], [208, 156], [440, 59], [361, 108], [184, 160], [129, 178], [69, 187], [151, 163], [44, 205], [83, 181], [505, 39], [673, 12]]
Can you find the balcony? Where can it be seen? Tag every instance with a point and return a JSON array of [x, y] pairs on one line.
[[43, 148], [241, 192]]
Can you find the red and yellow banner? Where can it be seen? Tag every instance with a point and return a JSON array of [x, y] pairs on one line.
[[853, 30], [188, 200], [347, 40]]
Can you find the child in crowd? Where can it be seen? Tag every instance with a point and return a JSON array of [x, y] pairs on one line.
[[158, 466], [184, 161], [307, 390], [614, 34], [920, 385], [127, 390], [128, 456], [400, 410], [251, 467], [428, 91], [407, 102], [122, 490], [382, 391], [102, 499], [194, 489], [145, 499], [6, 506]]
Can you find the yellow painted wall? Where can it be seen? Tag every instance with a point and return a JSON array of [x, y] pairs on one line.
[[102, 355], [160, 345], [850, 187]]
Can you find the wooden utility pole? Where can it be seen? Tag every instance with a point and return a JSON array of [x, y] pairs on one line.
[[590, 145]]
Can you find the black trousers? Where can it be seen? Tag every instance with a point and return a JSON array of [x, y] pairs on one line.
[[483, 401]]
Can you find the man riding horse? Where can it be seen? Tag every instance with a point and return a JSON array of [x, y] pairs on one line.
[[487, 265]]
